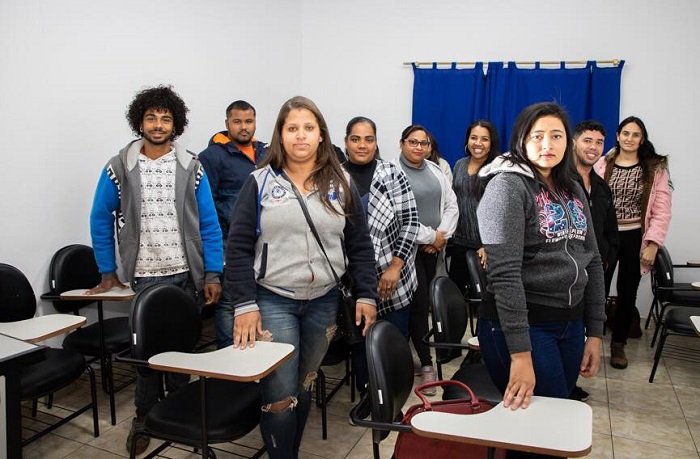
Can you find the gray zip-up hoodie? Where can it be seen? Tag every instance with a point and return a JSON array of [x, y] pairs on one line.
[[543, 260], [270, 244]]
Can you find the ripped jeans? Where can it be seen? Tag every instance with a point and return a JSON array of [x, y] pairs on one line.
[[308, 325]]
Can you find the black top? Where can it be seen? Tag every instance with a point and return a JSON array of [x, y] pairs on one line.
[[600, 200], [362, 174]]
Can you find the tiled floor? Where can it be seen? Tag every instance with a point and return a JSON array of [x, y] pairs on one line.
[[631, 418]]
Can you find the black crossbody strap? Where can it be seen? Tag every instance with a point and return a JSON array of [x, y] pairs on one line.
[[304, 209]]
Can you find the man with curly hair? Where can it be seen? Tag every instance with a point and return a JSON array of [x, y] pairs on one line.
[[157, 192]]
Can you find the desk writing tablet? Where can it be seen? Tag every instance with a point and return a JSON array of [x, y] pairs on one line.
[[250, 364], [115, 294], [11, 347], [695, 263], [695, 320], [552, 426], [43, 327], [695, 285]]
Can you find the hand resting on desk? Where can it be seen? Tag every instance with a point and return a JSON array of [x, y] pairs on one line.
[[105, 286]]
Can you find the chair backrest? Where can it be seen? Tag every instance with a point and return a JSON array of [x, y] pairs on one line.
[[72, 267], [390, 366], [163, 318], [663, 271], [477, 275], [450, 316], [17, 300]]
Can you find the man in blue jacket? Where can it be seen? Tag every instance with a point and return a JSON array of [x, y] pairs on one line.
[[228, 159], [158, 194]]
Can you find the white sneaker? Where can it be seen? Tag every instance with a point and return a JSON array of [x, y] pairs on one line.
[[428, 376]]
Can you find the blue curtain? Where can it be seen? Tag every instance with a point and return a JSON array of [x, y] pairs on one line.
[[446, 101]]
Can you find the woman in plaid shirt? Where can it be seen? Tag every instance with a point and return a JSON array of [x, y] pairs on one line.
[[393, 225]]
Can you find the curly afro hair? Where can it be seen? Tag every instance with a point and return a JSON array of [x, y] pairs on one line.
[[158, 98]]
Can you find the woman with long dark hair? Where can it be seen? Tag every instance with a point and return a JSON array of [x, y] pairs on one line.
[[545, 278], [639, 180], [481, 146], [280, 281]]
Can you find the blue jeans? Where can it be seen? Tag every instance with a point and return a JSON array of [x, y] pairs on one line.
[[148, 381], [308, 325], [223, 318], [557, 350]]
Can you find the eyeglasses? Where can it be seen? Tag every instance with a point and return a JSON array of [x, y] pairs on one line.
[[414, 143]]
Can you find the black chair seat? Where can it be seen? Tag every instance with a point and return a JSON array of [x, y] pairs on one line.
[[86, 340], [60, 368], [179, 417], [683, 297], [476, 376], [678, 320]]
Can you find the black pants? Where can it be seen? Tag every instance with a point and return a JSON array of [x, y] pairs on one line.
[[628, 277], [459, 272], [418, 322]]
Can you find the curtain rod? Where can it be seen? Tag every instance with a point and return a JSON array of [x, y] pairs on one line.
[[610, 61]]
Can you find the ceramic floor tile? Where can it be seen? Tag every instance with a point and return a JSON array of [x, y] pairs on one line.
[[50, 447], [601, 417], [689, 398], [341, 436], [625, 448], [683, 373], [651, 427], [597, 388], [694, 426], [644, 397], [601, 448], [90, 452]]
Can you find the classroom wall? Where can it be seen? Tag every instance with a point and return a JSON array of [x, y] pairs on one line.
[[68, 69]]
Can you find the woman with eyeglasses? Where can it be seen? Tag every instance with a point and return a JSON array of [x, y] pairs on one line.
[[481, 146], [641, 188], [437, 216]]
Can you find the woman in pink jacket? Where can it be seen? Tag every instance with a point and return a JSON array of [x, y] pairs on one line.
[[638, 177]]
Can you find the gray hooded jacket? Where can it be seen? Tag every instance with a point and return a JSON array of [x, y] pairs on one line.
[[543, 261]]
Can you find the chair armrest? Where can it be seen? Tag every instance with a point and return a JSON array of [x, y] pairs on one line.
[[440, 344], [391, 426], [136, 362], [676, 289], [50, 296]]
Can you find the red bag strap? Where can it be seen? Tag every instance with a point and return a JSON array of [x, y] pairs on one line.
[[473, 400]]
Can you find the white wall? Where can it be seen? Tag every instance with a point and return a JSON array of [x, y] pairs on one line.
[[68, 70]]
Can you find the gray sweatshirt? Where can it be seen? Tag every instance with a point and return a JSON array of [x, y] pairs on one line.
[[543, 261]]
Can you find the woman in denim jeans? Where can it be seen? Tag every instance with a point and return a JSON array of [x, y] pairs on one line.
[[545, 275], [279, 279]]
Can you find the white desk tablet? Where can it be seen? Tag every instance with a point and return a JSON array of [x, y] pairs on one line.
[[695, 320], [41, 328], [115, 294], [250, 364], [552, 426]]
